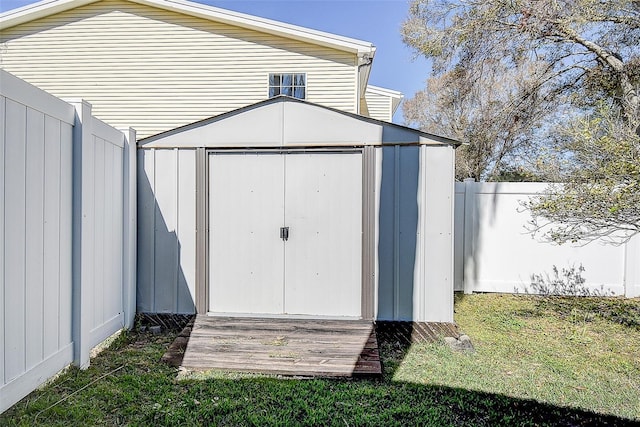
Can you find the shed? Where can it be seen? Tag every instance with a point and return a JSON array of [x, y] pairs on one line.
[[288, 208]]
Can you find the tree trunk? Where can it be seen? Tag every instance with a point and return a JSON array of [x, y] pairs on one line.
[[630, 100]]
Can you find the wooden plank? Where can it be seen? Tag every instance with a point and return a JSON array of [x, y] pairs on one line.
[[336, 329], [282, 346], [309, 348], [284, 322]]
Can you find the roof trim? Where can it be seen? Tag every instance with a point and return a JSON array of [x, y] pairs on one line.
[[384, 91], [396, 97], [284, 98], [50, 7]]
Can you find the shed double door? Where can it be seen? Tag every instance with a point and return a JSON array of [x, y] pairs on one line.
[[285, 233]]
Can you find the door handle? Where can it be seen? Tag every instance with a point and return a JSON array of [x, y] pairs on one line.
[[284, 233]]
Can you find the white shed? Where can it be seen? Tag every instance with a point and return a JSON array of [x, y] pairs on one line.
[[287, 208]]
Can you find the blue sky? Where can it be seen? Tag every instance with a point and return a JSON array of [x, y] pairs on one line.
[[376, 21]]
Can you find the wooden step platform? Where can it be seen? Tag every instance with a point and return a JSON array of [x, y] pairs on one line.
[[296, 347]]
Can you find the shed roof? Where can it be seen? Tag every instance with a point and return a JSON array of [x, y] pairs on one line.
[[365, 50], [289, 122]]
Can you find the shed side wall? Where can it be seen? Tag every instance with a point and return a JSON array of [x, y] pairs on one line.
[[166, 231], [434, 271]]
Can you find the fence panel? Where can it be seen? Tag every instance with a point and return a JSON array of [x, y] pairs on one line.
[[65, 285], [498, 254], [35, 236], [108, 197]]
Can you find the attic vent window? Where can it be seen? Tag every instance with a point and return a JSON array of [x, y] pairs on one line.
[[294, 84]]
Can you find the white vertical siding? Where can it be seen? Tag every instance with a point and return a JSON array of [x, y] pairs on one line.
[[398, 224], [145, 294], [166, 249], [433, 298], [414, 269], [156, 70], [186, 231], [166, 231]]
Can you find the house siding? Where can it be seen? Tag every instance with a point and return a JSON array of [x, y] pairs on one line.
[[156, 70], [378, 106]]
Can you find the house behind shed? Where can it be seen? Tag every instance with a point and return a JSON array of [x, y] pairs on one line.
[[288, 208]]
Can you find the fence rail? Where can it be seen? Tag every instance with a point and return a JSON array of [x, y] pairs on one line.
[[66, 187]]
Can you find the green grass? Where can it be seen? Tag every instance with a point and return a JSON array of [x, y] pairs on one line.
[[538, 361]]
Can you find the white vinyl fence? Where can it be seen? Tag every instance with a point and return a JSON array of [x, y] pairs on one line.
[[67, 220], [495, 253]]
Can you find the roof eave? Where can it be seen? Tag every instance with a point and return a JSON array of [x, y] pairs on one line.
[[41, 9], [49, 7]]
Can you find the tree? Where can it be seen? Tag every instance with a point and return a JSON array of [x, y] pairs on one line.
[[587, 60], [581, 51], [496, 108], [599, 197], [575, 38]]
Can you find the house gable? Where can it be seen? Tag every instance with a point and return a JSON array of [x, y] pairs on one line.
[[158, 68], [381, 103]]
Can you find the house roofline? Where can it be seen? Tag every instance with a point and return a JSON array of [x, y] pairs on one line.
[[46, 8], [283, 98]]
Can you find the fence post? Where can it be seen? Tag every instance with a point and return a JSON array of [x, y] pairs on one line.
[[129, 241], [469, 274], [632, 267], [83, 218]]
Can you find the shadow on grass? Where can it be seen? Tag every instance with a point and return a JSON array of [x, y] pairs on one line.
[[367, 402], [129, 385]]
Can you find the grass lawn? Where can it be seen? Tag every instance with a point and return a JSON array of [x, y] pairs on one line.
[[538, 361]]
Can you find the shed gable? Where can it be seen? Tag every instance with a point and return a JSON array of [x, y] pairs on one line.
[[289, 122]]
